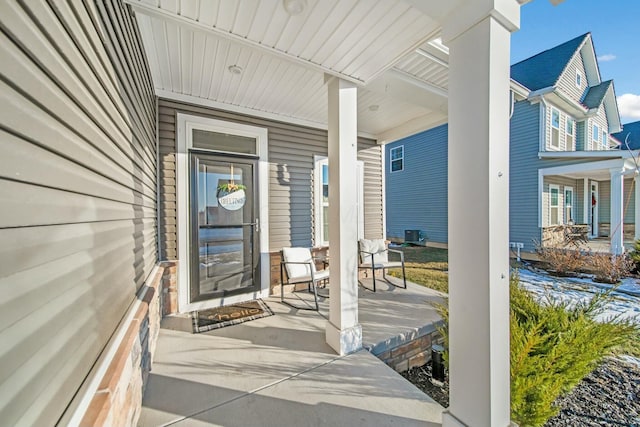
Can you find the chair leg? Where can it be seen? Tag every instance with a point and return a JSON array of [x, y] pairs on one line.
[[315, 295], [281, 284], [404, 277], [374, 278]]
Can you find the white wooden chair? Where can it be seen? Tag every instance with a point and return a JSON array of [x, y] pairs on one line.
[[374, 255], [301, 268]]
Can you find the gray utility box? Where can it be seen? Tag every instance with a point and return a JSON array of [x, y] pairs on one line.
[[415, 237]]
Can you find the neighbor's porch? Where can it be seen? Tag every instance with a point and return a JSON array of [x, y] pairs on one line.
[[599, 199], [278, 370]]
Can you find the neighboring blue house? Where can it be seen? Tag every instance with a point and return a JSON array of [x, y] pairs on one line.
[[629, 137], [565, 165]]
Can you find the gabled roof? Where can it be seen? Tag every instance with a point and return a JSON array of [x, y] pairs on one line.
[[630, 132], [594, 96], [544, 69]]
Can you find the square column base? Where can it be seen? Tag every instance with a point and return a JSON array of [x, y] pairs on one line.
[[344, 341], [449, 420]]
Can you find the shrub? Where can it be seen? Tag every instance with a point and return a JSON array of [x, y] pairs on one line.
[[609, 268], [561, 262], [553, 347], [635, 256]]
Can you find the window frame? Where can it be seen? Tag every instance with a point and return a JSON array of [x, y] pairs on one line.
[[556, 206], [595, 135], [578, 80], [391, 159], [319, 204], [605, 140], [555, 129], [572, 135], [568, 207]]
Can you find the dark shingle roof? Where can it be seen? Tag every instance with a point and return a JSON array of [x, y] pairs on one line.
[[633, 131], [595, 94], [544, 69]]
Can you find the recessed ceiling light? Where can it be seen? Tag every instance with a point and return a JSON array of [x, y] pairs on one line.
[[374, 107], [235, 69], [294, 7]]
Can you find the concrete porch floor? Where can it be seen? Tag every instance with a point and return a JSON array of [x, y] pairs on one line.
[[278, 370]]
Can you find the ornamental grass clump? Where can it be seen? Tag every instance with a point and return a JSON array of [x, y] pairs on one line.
[[553, 347]]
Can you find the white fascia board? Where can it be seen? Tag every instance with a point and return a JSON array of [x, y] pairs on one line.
[[210, 103], [582, 167], [604, 154], [519, 89], [412, 127]]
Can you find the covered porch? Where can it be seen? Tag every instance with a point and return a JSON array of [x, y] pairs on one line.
[[357, 69], [599, 195], [278, 370]]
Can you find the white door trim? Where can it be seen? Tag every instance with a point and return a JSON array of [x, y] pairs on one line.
[[185, 124], [593, 212]]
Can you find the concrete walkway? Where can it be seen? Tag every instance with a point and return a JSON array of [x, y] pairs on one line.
[[278, 370]]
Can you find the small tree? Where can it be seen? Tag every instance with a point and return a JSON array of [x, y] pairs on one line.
[[553, 347]]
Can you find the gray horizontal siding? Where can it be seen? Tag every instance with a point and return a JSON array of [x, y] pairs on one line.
[[567, 81], [628, 202], [417, 196], [523, 175], [291, 151], [78, 190]]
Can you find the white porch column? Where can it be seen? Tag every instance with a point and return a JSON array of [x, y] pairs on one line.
[[636, 206], [616, 222], [343, 332], [586, 203], [478, 36]]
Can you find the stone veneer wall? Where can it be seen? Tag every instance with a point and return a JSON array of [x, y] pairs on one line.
[[118, 400], [408, 351]]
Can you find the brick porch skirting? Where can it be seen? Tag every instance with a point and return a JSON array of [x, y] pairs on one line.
[[118, 398]]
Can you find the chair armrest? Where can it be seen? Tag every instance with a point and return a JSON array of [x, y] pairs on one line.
[[296, 262], [395, 251]]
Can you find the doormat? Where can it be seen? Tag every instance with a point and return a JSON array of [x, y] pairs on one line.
[[219, 317]]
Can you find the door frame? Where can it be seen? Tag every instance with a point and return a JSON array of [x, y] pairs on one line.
[[186, 123], [593, 211]]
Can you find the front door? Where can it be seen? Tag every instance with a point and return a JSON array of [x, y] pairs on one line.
[[224, 253]]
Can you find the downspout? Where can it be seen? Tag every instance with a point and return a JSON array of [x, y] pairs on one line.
[[513, 103]]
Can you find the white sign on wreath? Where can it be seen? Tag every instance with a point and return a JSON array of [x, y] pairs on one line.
[[232, 196]]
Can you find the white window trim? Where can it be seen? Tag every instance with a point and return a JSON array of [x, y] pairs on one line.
[[554, 187], [318, 161], [573, 199], [595, 136], [605, 140], [551, 128], [573, 134], [578, 77], [391, 160], [185, 124]]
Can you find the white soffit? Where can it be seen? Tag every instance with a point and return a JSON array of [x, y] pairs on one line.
[[355, 39], [191, 45]]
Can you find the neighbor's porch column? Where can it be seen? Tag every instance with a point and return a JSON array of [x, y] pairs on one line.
[[586, 203], [343, 332], [616, 222], [636, 207], [478, 36]]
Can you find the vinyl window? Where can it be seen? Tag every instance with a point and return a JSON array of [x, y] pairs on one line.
[[568, 204], [321, 200], [554, 205], [397, 158], [578, 79], [595, 135], [570, 132], [555, 128]]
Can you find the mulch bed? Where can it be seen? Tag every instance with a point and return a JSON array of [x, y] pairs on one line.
[[609, 396]]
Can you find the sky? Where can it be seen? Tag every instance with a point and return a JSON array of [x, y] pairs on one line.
[[614, 27]]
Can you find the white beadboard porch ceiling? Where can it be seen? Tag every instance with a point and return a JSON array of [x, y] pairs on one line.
[[389, 48]]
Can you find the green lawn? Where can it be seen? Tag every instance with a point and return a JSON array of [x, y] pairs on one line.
[[425, 266]]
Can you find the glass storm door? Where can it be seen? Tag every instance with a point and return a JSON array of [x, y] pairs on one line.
[[224, 226]]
